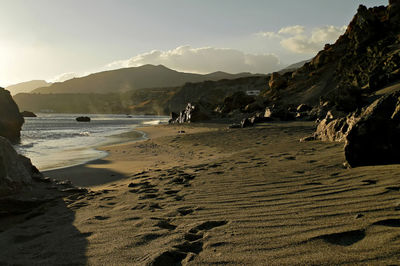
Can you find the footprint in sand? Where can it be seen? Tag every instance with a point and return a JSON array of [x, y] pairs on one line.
[[101, 218], [148, 196], [108, 198], [166, 225], [393, 188], [347, 238], [369, 182], [185, 210], [388, 222], [146, 238], [189, 248], [171, 191]]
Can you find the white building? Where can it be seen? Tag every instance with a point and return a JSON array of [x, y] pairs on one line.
[[253, 92]]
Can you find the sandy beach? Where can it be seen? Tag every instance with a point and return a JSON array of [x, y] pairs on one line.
[[212, 195]]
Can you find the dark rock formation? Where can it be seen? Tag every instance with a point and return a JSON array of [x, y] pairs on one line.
[[372, 135], [252, 120], [192, 113], [83, 119], [303, 108], [282, 113], [28, 114], [239, 100], [335, 126], [375, 136], [277, 81], [246, 122], [15, 171], [10, 118], [363, 60]]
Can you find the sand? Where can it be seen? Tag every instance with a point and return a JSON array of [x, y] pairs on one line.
[[213, 195]]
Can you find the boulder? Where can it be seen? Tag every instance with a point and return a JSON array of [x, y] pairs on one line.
[[173, 116], [254, 107], [278, 113], [28, 114], [10, 118], [335, 127], [277, 81], [246, 122], [15, 171], [238, 101], [192, 113], [83, 119], [303, 108], [375, 137]]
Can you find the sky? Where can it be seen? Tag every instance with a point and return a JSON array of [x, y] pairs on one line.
[[56, 40]]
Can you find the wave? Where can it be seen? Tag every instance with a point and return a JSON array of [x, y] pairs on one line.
[[154, 122]]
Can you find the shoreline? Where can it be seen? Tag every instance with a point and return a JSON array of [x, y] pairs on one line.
[[112, 166], [58, 141], [98, 148]]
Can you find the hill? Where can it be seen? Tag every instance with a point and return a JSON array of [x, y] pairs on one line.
[[28, 86], [159, 101], [126, 79]]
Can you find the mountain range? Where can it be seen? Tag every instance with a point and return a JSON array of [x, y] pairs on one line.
[[126, 79], [26, 87]]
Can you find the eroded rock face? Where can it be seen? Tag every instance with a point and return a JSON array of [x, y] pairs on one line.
[[335, 126], [10, 118], [192, 113], [372, 135], [238, 101], [279, 113], [277, 81], [15, 171], [375, 137]]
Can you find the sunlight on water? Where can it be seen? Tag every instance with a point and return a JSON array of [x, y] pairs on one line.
[[58, 140]]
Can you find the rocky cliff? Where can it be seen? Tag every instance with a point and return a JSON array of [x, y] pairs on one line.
[[10, 118], [363, 60], [363, 92]]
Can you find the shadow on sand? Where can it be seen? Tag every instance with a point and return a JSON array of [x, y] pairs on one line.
[[86, 176], [44, 236]]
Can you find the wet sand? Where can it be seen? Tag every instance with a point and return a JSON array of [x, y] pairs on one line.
[[212, 195]]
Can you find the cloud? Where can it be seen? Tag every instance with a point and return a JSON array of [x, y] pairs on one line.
[[204, 60], [298, 40], [268, 34], [64, 76], [292, 30]]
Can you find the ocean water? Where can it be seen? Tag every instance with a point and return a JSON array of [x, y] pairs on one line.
[[57, 140]]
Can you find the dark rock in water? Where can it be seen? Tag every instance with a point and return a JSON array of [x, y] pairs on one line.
[[192, 113], [277, 81], [28, 114], [375, 137], [15, 171], [10, 118], [83, 119]]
